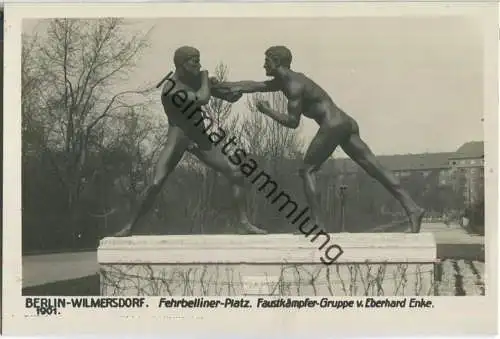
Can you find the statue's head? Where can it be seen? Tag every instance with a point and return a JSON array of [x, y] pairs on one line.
[[187, 60], [277, 57]]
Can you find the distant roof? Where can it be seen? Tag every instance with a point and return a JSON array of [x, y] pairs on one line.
[[472, 149], [398, 162], [416, 161], [404, 162]]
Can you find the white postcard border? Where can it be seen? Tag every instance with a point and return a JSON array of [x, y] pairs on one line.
[[450, 316]]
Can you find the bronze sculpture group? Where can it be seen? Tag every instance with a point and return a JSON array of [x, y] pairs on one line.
[[305, 98]]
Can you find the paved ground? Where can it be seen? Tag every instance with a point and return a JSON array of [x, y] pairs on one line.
[[46, 268], [452, 234], [461, 276]]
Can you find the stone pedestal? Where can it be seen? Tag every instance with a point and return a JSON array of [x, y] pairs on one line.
[[388, 264]]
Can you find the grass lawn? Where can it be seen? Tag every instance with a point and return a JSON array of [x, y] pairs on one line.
[[474, 252], [86, 286]]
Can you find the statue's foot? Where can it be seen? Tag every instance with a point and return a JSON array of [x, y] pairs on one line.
[[247, 228], [416, 220], [124, 232]]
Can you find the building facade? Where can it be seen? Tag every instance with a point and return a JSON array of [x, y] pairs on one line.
[[467, 167], [438, 181]]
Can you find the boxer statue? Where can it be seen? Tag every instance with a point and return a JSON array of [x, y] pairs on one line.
[[184, 93], [336, 128]]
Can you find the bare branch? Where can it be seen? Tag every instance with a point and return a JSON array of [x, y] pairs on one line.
[[66, 80]]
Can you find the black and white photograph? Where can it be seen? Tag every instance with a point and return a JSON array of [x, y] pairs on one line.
[[1, 151], [258, 158]]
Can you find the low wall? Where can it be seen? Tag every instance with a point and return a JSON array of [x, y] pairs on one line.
[[391, 264]]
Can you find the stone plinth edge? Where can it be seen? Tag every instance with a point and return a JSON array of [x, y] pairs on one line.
[[268, 249]]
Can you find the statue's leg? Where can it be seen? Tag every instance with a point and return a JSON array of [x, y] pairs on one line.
[[321, 148], [359, 151], [213, 158], [171, 154]]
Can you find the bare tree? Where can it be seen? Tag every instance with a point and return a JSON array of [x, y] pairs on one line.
[[270, 142], [69, 77], [35, 128], [266, 137], [218, 109], [140, 138], [220, 113]]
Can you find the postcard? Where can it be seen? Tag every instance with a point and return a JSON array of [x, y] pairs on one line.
[[250, 169]]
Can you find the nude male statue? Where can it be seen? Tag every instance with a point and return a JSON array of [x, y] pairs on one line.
[[193, 89], [336, 127]]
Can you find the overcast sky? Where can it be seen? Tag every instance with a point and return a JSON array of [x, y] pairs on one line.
[[414, 85]]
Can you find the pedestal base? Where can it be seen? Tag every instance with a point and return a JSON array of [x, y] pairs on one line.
[[283, 265]]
